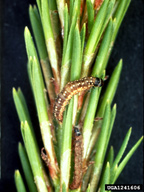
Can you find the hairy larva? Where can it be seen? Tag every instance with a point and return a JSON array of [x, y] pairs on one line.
[[73, 88], [78, 153]]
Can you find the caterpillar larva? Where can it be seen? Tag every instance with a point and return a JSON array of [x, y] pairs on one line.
[[73, 88]]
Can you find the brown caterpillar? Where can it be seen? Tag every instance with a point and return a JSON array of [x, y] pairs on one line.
[[73, 88], [78, 150]]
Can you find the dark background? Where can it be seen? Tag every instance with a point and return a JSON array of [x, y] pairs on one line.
[[129, 97]]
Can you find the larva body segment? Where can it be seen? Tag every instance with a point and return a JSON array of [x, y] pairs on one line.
[[73, 88]]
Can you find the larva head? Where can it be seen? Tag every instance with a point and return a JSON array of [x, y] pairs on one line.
[[77, 131], [98, 82]]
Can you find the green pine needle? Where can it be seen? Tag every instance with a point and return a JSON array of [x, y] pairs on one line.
[[19, 182], [26, 168]]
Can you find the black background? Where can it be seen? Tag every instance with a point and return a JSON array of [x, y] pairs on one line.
[[129, 97]]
